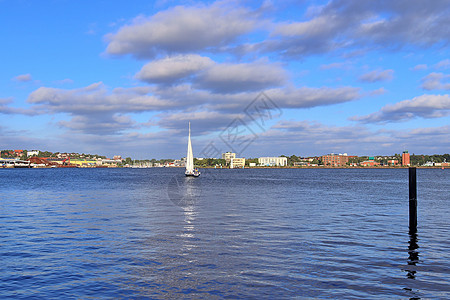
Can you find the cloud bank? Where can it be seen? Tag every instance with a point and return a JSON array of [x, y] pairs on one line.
[[425, 106], [182, 29]]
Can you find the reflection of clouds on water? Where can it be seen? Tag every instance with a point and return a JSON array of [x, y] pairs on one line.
[[184, 191]]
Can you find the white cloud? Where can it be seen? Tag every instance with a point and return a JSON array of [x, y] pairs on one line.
[[94, 109], [202, 122], [377, 75], [333, 66], [64, 81], [420, 67], [23, 78], [216, 77], [436, 81], [285, 97], [306, 138], [6, 109], [377, 92], [100, 124], [95, 98], [307, 97], [182, 29], [314, 138], [425, 106], [443, 64], [232, 78], [172, 69], [347, 25]]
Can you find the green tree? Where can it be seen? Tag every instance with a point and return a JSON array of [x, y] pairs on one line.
[[45, 154], [251, 160], [24, 155], [292, 159]]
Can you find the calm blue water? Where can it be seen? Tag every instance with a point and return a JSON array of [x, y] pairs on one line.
[[153, 233]]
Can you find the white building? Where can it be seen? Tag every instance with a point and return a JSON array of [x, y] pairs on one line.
[[33, 152], [272, 161], [228, 156], [237, 163]]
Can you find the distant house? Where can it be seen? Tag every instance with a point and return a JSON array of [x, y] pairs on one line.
[[369, 163], [18, 153]]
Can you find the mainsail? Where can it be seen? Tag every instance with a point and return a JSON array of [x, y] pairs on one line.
[[189, 156]]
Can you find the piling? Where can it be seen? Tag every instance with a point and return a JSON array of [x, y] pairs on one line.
[[412, 201]]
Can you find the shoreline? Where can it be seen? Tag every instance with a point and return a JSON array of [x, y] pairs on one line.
[[382, 168], [268, 168]]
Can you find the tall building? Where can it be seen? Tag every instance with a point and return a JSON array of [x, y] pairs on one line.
[[335, 160], [405, 159], [228, 156]]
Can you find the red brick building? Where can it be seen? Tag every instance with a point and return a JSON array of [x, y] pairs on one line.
[[405, 159], [392, 162], [335, 160]]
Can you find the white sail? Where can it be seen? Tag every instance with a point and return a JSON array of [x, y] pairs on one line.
[[189, 156]]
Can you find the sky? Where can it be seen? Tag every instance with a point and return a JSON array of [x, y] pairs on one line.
[[260, 78]]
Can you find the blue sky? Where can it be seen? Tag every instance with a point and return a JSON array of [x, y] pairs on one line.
[[108, 77]]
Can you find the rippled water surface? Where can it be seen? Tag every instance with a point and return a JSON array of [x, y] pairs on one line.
[[153, 233]]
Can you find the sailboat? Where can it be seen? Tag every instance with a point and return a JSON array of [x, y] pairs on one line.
[[190, 171]]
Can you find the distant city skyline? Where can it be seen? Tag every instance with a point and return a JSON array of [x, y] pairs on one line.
[[259, 78]]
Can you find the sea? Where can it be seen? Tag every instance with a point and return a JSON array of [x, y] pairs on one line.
[[228, 234]]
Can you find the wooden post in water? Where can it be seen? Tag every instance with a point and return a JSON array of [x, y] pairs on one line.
[[412, 201]]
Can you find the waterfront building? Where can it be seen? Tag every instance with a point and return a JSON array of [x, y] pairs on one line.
[[18, 153], [32, 153], [85, 162], [237, 163], [335, 160], [272, 161], [112, 163], [301, 164], [14, 163], [392, 162], [369, 163], [405, 159], [228, 156]]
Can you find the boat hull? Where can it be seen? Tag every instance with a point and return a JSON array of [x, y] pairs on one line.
[[193, 174]]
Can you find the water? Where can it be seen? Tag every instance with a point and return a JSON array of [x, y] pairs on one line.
[[261, 234]]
